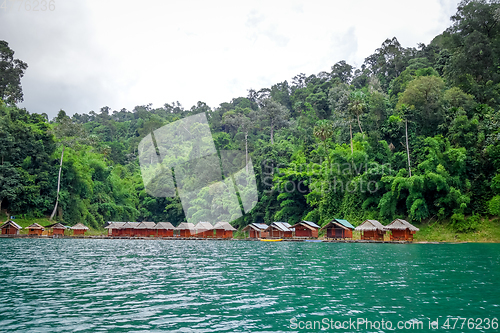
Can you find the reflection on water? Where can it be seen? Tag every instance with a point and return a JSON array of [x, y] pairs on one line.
[[56, 285]]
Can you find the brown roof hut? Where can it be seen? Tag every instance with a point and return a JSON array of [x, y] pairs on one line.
[[338, 228], [35, 229], [371, 230], [145, 229], [306, 229], [280, 230], [186, 229], [401, 230], [256, 230], [79, 229], [56, 229], [164, 229], [129, 229], [223, 230], [204, 230], [114, 228], [10, 228]]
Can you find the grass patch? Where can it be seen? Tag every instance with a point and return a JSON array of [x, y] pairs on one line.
[[488, 231]]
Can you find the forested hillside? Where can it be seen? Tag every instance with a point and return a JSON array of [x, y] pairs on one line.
[[413, 133]]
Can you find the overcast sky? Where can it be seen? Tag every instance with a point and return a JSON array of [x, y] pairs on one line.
[[84, 55]]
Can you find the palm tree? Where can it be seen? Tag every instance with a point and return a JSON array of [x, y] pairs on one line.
[[324, 131]]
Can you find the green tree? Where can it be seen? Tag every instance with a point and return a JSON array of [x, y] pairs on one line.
[[11, 72], [274, 114]]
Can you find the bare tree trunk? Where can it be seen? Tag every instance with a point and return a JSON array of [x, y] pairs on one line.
[[246, 151], [58, 185], [407, 146], [350, 130], [1, 204], [359, 124], [272, 132]]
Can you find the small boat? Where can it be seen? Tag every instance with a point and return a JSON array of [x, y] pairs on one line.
[[271, 240], [313, 240]]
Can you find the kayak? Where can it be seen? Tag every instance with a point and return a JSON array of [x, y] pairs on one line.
[[271, 240], [313, 240]]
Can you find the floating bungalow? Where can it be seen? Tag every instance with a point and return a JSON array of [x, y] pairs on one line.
[[114, 228], [338, 228], [371, 230], [204, 230], [280, 230], [79, 229], [401, 230], [164, 229], [186, 229], [128, 229], [223, 230], [35, 229], [145, 229], [56, 229], [257, 230], [10, 228], [306, 229]]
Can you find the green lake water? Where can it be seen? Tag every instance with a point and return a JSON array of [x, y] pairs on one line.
[[113, 285]]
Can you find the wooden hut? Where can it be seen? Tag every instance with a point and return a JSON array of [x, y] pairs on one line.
[[128, 229], [306, 229], [56, 229], [35, 229], [186, 229], [10, 228], [145, 229], [280, 230], [371, 230], [256, 230], [204, 230], [114, 228], [164, 229], [401, 230], [223, 230], [79, 229], [338, 228]]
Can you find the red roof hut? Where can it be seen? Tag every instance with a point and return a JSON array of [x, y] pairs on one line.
[[114, 228], [280, 230], [401, 230], [79, 229], [35, 229], [204, 230], [371, 230], [338, 228], [10, 228], [186, 229], [256, 230], [164, 229], [145, 229], [223, 230], [306, 229]]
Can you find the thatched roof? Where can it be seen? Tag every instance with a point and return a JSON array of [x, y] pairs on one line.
[[399, 224], [12, 224], [224, 225], [164, 226], [58, 226], [256, 227], [114, 225], [370, 225], [307, 224], [35, 226], [130, 225], [185, 226], [146, 225], [203, 226], [79, 226]]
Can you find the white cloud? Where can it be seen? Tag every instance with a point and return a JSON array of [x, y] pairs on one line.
[[88, 54]]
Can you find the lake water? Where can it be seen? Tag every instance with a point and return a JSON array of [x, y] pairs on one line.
[[113, 285]]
